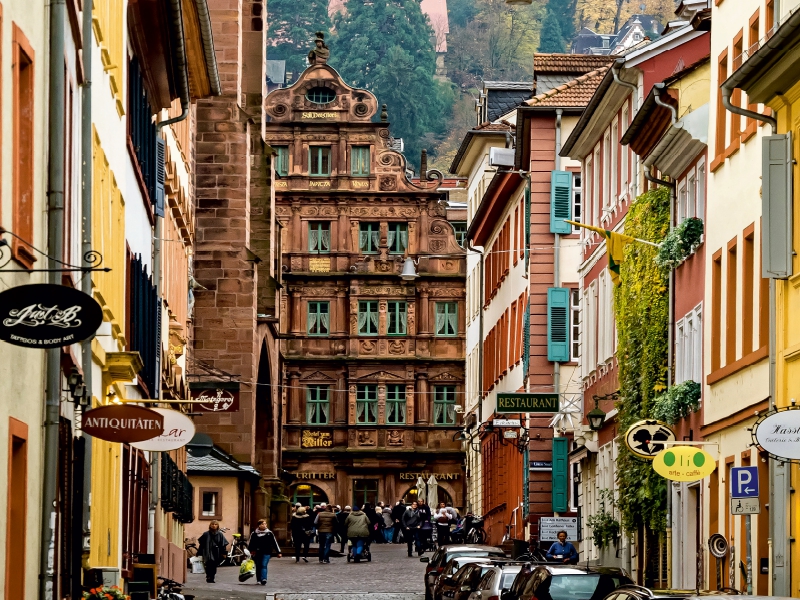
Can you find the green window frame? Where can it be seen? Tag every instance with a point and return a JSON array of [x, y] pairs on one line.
[[282, 160], [446, 319], [396, 318], [396, 404], [359, 161], [460, 228], [397, 238], [317, 404], [319, 237], [367, 404], [369, 237], [444, 405], [319, 318], [367, 317], [319, 161]]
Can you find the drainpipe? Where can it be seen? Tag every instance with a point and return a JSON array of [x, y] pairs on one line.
[[619, 63], [86, 287], [779, 485], [55, 248], [557, 251], [480, 348]]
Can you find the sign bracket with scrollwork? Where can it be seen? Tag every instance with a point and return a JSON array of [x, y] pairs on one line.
[[92, 259]]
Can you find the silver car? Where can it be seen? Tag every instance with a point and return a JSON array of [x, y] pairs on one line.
[[494, 581]]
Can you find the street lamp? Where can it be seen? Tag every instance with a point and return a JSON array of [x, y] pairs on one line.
[[596, 417], [409, 270]]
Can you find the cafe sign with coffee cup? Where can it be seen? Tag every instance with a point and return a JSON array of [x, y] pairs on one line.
[[44, 315]]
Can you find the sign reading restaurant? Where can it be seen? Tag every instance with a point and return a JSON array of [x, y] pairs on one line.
[[527, 403], [426, 475]]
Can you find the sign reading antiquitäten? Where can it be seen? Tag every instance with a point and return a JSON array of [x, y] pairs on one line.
[[527, 403]]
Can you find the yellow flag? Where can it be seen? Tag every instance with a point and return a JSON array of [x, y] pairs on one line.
[[615, 247]]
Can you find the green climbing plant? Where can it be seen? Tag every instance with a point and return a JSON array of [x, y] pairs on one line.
[[605, 528], [677, 402], [642, 315], [680, 243]]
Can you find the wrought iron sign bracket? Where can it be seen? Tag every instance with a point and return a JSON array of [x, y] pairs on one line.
[[92, 258]]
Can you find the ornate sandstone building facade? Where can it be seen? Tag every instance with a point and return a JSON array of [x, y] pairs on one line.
[[373, 365]]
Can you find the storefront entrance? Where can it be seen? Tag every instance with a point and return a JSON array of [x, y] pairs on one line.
[[365, 490], [308, 495]]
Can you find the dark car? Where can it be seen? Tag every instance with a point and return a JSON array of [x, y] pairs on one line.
[[460, 584], [442, 555], [497, 578], [447, 581], [565, 582]]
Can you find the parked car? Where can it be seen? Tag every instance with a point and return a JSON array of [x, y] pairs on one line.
[[442, 555], [447, 579], [460, 584], [497, 578], [565, 582], [637, 592]]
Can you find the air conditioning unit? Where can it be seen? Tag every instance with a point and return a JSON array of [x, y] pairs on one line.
[[501, 157]]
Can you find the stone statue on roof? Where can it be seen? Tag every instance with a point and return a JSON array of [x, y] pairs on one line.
[[319, 53]]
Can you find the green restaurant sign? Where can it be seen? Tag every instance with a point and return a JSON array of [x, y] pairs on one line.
[[527, 403]]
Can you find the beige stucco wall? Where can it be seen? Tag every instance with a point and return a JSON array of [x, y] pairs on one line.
[[230, 505]]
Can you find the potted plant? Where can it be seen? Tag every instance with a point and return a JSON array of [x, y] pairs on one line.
[[605, 528], [105, 593]]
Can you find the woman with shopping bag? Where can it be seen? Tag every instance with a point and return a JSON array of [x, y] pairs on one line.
[[263, 545]]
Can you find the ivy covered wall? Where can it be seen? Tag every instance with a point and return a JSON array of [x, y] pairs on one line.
[[642, 314]]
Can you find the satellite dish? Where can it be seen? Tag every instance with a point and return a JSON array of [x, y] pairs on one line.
[[200, 445], [718, 545]]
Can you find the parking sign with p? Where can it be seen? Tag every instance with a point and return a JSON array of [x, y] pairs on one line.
[[744, 482]]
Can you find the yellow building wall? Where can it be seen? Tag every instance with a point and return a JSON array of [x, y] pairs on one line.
[[694, 89], [106, 503], [107, 23]]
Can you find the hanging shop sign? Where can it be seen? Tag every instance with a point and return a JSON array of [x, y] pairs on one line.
[[527, 403], [646, 438], [44, 315], [123, 424], [316, 439], [683, 463], [778, 433], [506, 423], [220, 396], [178, 431]]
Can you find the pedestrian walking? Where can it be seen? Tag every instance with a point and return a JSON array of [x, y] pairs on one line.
[[388, 524], [443, 518], [397, 514], [212, 548], [426, 526], [326, 527], [341, 518], [302, 527], [411, 526], [374, 523], [263, 545], [357, 524]]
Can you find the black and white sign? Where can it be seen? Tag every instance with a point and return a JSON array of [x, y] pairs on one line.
[[506, 423], [745, 506], [645, 438], [44, 315], [541, 465], [550, 526], [778, 433]]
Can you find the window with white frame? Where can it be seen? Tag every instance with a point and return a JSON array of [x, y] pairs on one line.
[[575, 324], [577, 214], [605, 318], [606, 172], [623, 188], [689, 347], [587, 193], [590, 330], [682, 200], [691, 192], [614, 149], [596, 187], [701, 189]]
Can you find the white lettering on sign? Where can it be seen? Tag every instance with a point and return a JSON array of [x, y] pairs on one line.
[[112, 423], [36, 315]]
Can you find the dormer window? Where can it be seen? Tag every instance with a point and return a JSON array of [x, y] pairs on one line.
[[320, 95]]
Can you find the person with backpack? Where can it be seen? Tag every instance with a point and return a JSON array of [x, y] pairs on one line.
[[262, 546], [358, 530]]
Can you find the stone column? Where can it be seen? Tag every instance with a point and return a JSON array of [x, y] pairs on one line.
[[296, 313], [351, 405], [410, 402], [295, 395], [383, 320], [424, 317], [341, 311], [297, 229], [381, 403], [340, 398], [354, 248], [344, 228], [423, 401]]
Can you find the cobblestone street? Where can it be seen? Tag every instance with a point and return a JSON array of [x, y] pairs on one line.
[[390, 576]]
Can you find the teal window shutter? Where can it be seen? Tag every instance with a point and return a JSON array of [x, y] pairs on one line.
[[526, 339], [776, 199], [560, 474], [558, 324], [560, 202]]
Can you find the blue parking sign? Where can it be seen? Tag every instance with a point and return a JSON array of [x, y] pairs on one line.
[[744, 482]]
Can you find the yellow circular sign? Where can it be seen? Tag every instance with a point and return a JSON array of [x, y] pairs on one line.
[[683, 463]]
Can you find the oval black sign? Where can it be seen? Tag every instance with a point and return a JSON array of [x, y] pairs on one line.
[[44, 315]]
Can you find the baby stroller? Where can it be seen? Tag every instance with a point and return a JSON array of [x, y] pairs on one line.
[[365, 553]]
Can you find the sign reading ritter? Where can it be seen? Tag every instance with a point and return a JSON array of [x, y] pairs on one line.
[[527, 403]]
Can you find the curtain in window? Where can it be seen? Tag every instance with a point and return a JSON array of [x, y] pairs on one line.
[[438, 410], [451, 319], [325, 320], [440, 321], [400, 410], [323, 409], [325, 239], [362, 320], [373, 318], [313, 240], [451, 413], [372, 408], [403, 240], [360, 408], [390, 238], [376, 239], [363, 240], [401, 321], [312, 321]]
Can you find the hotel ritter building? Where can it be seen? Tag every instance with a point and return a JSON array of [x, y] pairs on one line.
[[373, 365]]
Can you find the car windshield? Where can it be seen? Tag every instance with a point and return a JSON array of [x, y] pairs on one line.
[[591, 586], [508, 579]]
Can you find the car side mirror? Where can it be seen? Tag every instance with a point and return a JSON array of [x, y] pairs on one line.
[[465, 588], [425, 559]]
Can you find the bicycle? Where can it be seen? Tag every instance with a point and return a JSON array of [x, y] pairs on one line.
[[238, 552], [169, 590], [476, 534]]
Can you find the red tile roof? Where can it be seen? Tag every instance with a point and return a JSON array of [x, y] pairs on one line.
[[574, 93], [487, 126], [569, 63]]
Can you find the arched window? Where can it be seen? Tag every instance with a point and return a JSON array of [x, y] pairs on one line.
[[443, 496], [308, 495]]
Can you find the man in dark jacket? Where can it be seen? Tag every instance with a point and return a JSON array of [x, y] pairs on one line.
[[341, 517], [212, 548], [358, 527], [262, 546], [411, 523], [326, 526], [397, 514]]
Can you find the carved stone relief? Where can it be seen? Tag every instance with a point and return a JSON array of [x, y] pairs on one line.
[[367, 437], [388, 183], [397, 347], [368, 347], [395, 437]]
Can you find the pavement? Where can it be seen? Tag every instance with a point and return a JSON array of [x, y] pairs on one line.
[[390, 576]]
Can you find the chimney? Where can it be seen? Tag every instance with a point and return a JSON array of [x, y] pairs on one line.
[[423, 166]]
